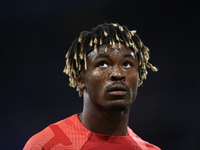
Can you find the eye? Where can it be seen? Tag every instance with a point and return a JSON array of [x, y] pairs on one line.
[[103, 64], [127, 65]]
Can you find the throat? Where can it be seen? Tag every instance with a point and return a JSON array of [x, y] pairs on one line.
[[106, 122]]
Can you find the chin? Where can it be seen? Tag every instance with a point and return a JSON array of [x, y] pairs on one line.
[[117, 107]]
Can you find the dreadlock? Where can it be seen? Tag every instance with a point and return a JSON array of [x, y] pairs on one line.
[[76, 55]]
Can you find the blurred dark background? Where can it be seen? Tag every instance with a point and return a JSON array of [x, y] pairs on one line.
[[34, 92]]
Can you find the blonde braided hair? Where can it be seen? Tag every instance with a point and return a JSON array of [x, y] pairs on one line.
[[76, 55]]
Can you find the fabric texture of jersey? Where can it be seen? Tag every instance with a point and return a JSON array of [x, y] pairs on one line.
[[70, 134]]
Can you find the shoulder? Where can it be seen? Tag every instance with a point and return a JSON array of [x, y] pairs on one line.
[[143, 144], [54, 134]]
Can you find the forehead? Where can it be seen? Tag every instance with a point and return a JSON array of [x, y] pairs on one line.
[[111, 51]]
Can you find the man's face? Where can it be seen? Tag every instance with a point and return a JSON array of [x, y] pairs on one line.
[[111, 77]]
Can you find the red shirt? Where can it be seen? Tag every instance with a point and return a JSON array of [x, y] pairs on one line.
[[70, 134]]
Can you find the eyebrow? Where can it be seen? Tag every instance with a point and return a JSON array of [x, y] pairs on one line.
[[128, 55], [102, 56]]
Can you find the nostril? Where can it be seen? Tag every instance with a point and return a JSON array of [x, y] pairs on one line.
[[117, 77]]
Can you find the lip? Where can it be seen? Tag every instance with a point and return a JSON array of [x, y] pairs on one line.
[[118, 90]]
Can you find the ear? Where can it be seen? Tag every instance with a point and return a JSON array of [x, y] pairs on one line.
[[80, 82]]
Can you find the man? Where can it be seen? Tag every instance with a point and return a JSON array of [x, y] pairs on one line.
[[107, 65]]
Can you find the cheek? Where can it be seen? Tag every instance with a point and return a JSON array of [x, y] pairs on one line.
[[133, 84], [97, 74], [133, 80], [100, 73], [95, 84], [96, 79]]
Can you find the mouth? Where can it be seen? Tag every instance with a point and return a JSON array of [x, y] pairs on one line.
[[118, 90]]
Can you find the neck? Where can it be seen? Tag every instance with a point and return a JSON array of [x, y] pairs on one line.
[[104, 121]]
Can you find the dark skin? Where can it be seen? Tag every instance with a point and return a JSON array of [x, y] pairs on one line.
[[109, 87]]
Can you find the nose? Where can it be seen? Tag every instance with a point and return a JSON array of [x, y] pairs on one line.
[[117, 74]]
